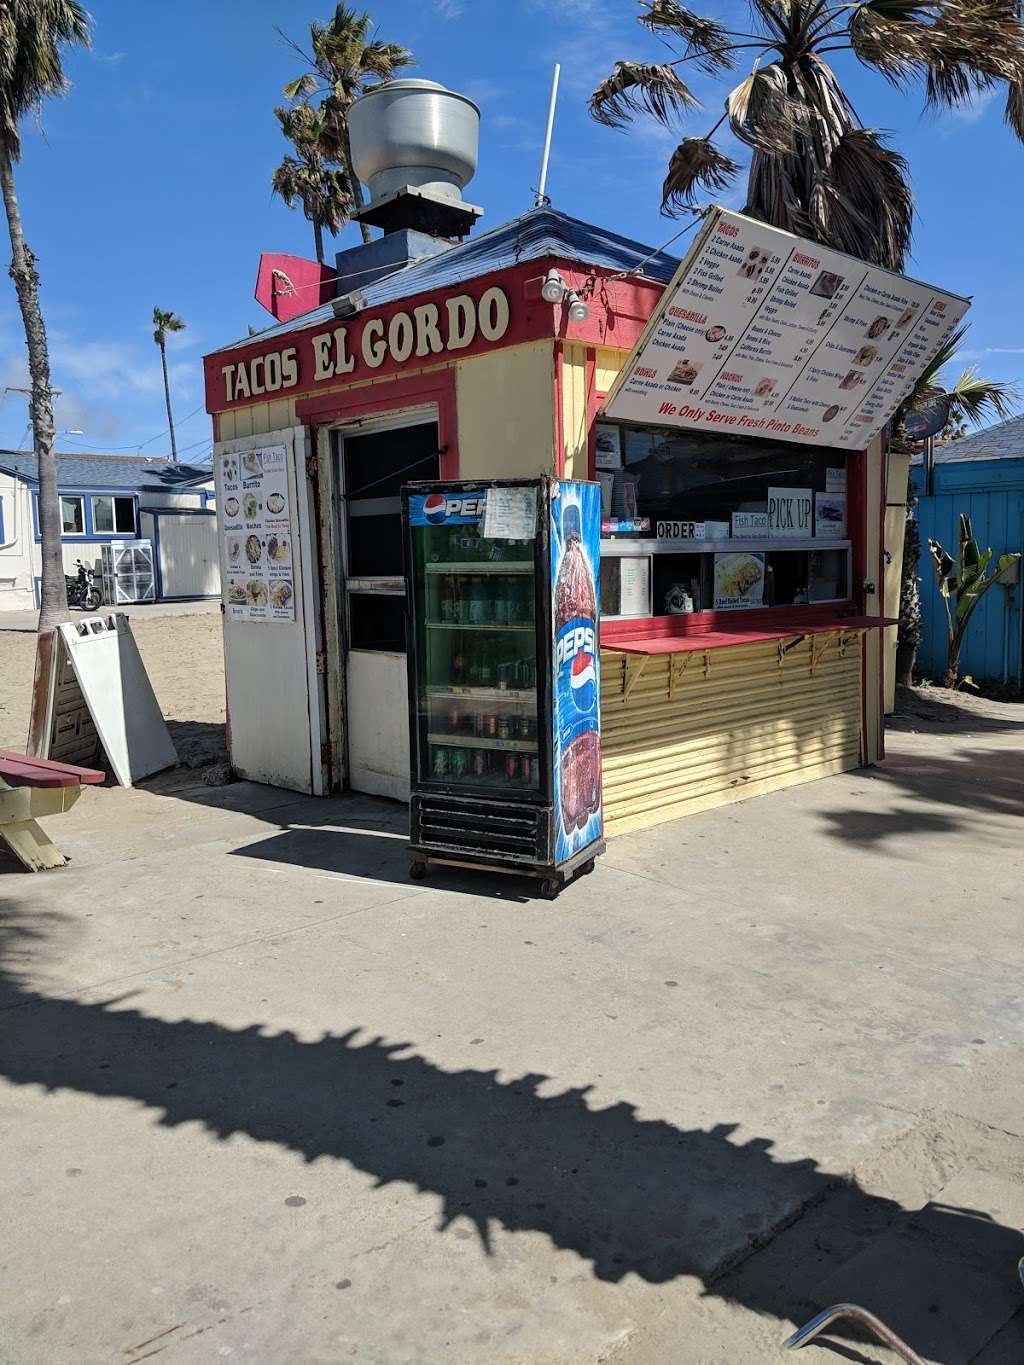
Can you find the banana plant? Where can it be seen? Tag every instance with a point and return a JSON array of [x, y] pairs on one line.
[[963, 583]]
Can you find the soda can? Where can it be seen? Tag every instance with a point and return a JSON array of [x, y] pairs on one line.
[[479, 762], [459, 763], [512, 767], [478, 601], [454, 720], [440, 761], [504, 728], [523, 727], [506, 676], [492, 725]]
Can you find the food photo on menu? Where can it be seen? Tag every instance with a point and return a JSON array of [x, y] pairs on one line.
[[826, 285], [716, 334], [866, 355], [852, 380], [685, 373], [878, 328], [754, 263]]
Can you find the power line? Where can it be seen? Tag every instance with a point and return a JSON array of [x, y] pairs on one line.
[[137, 445]]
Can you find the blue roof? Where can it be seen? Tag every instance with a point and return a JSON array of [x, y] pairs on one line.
[[1004, 441], [108, 471], [533, 235]]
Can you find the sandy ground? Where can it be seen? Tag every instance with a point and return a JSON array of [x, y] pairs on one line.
[[185, 662]]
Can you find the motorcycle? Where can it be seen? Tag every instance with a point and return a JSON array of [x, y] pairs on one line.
[[82, 591]]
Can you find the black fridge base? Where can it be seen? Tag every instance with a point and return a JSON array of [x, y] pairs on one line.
[[551, 880]]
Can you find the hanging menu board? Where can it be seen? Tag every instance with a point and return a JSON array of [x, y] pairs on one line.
[[256, 530], [764, 333]]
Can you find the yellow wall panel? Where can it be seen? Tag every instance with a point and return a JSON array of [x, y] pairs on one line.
[[895, 524], [685, 732], [609, 362], [506, 404], [873, 653], [575, 428]]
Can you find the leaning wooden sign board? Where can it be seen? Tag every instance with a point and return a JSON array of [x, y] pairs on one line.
[[100, 700]]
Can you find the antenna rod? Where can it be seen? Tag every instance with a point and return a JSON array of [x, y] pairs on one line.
[[541, 196]]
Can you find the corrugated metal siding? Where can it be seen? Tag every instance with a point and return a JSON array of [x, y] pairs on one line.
[[727, 724]]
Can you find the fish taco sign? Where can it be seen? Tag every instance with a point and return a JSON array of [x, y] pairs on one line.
[[406, 335]]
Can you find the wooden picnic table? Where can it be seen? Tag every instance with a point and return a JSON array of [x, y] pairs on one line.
[[33, 787]]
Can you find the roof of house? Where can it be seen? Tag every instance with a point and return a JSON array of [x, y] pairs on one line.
[[1002, 442], [533, 235], [109, 471]]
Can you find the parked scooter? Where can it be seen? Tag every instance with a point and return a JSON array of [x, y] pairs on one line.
[[82, 591]]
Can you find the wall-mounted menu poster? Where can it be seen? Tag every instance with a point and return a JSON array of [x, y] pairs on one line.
[[761, 333], [256, 534]]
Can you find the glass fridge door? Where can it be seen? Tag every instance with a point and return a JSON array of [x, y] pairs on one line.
[[475, 658]]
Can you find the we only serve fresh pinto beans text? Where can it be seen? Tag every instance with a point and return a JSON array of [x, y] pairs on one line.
[[424, 331]]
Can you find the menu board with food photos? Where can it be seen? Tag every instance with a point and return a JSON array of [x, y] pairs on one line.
[[256, 534], [761, 333]]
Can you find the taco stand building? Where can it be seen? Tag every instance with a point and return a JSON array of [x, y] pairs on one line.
[[749, 561]]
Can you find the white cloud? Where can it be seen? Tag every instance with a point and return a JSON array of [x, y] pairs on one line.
[[111, 58], [965, 115], [448, 9]]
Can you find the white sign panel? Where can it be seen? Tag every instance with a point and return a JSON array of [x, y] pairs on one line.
[[829, 515], [764, 334], [749, 524], [510, 514], [739, 580], [607, 446], [789, 513], [256, 528]]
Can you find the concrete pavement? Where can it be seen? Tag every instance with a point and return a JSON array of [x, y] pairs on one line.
[[264, 1099]]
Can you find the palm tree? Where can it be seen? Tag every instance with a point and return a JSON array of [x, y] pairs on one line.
[[33, 34], [815, 170], [971, 401], [343, 58], [164, 322], [306, 179]]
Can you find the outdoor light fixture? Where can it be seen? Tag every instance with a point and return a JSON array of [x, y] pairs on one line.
[[553, 288], [578, 310]]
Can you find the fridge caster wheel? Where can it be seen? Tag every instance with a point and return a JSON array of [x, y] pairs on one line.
[[549, 888], [587, 868], [417, 871]]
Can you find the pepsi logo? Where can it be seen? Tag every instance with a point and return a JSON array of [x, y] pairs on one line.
[[583, 681], [437, 508], [434, 507]]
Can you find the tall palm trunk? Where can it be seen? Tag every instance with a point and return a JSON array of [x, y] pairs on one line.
[[318, 238], [53, 590], [167, 400], [355, 188]]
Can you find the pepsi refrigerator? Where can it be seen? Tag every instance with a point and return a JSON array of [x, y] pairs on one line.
[[504, 676]]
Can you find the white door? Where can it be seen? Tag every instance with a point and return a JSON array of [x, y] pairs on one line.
[[374, 462]]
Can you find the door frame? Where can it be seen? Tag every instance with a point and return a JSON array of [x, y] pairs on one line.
[[325, 414]]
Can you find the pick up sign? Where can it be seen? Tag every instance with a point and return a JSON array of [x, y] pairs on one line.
[[790, 513]]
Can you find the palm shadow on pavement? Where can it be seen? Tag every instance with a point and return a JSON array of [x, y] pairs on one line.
[[627, 1194]]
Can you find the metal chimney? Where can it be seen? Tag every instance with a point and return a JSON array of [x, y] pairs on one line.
[[414, 146]]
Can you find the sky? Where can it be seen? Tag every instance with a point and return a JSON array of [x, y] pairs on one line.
[[149, 184]]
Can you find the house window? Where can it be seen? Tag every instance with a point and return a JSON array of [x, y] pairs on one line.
[[112, 516], [72, 516]]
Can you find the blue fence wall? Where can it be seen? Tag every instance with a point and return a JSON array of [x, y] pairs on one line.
[[991, 492]]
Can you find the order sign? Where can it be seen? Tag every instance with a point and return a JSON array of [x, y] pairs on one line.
[[764, 333]]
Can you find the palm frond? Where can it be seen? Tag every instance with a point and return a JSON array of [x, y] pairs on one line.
[[636, 87], [865, 206], [1014, 113], [976, 399], [761, 112], [384, 59], [306, 84], [708, 43], [696, 163]]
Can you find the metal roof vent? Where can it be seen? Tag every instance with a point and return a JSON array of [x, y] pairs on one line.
[[414, 146]]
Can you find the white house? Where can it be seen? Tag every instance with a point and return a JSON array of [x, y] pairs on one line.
[[107, 498]]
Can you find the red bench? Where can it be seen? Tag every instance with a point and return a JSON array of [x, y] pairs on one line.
[[31, 787]]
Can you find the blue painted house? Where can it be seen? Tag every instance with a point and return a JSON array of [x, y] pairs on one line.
[[982, 475], [103, 499]]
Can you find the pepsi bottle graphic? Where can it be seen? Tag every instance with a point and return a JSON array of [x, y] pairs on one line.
[[576, 682]]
